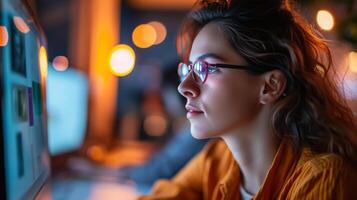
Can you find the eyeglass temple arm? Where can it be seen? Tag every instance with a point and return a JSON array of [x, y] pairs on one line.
[[243, 67], [256, 69]]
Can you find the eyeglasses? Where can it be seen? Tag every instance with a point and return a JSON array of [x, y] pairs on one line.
[[201, 70]]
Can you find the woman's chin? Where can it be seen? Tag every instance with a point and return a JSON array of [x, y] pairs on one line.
[[199, 134]]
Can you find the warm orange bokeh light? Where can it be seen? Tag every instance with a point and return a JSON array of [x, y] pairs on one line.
[[155, 125], [60, 63], [122, 60], [4, 36], [352, 60], [160, 31], [325, 20], [96, 152], [21, 24], [144, 36], [43, 61]]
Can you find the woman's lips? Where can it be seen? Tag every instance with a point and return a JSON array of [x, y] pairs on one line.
[[192, 111]]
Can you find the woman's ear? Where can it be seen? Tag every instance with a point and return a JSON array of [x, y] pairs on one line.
[[273, 86]]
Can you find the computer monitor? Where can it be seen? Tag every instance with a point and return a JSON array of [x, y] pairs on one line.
[[25, 165], [67, 117]]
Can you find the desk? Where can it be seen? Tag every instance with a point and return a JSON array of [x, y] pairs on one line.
[[72, 188]]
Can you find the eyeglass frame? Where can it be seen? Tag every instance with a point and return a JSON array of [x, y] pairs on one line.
[[249, 68]]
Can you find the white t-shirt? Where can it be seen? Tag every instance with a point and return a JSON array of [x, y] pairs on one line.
[[244, 194]]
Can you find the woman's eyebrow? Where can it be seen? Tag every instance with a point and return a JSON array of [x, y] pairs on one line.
[[208, 55]]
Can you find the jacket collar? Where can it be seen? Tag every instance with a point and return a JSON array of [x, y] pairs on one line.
[[281, 169]]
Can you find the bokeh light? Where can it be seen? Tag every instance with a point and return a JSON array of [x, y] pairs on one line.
[[21, 24], [4, 36], [60, 63], [43, 61], [325, 20], [160, 31], [96, 152], [155, 125], [122, 60], [352, 60], [144, 36]]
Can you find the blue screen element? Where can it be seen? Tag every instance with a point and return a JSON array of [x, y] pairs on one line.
[[25, 169], [67, 102]]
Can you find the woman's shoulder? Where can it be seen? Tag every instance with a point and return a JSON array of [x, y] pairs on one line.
[[319, 162], [323, 174]]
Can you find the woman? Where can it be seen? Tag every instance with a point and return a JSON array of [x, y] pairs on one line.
[[256, 75]]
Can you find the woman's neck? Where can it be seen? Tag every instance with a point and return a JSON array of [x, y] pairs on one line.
[[253, 148]]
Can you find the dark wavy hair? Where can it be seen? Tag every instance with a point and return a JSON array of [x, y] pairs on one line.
[[272, 35]]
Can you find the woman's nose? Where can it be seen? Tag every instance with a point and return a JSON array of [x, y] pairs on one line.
[[189, 87]]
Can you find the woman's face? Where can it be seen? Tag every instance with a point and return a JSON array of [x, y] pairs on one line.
[[229, 98]]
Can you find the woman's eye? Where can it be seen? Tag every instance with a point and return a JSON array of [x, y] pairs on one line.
[[212, 69]]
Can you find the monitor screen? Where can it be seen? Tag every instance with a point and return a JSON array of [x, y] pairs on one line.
[[67, 117], [24, 152]]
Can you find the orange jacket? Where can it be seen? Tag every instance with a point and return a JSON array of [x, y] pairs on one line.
[[214, 174]]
